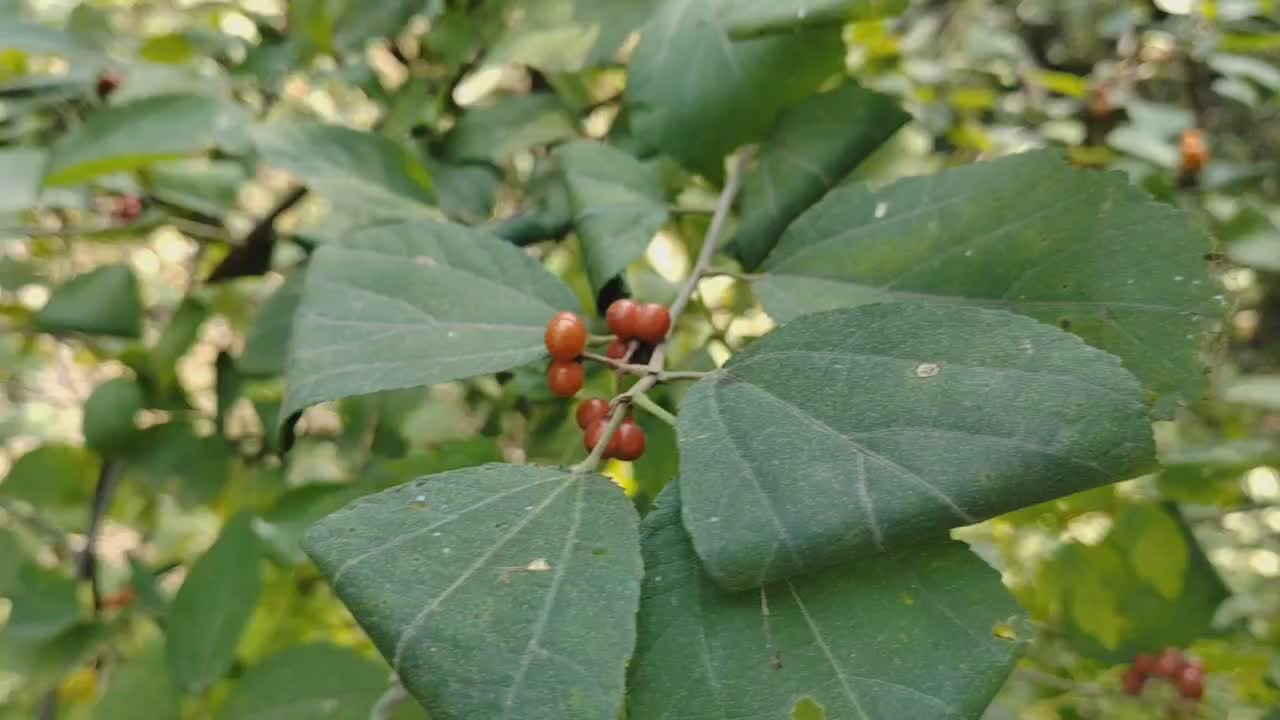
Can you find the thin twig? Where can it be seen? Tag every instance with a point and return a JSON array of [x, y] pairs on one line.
[[735, 274], [617, 364], [389, 701], [654, 409], [712, 242], [102, 493]]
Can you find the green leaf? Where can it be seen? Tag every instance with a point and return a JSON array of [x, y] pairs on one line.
[[45, 604], [144, 678], [179, 335], [466, 193], [52, 476], [566, 36], [173, 458], [309, 682], [266, 344], [499, 591], [209, 187], [361, 21], [105, 301], [283, 526], [355, 171], [108, 416], [414, 304], [923, 633], [729, 93], [20, 173], [213, 607], [42, 40], [141, 133], [618, 204], [508, 125], [814, 146], [854, 431], [746, 18], [1114, 600], [1029, 234], [43, 663], [12, 561]]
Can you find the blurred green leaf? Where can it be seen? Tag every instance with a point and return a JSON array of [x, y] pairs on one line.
[[495, 131], [52, 477], [309, 682], [745, 18], [45, 604], [266, 343], [104, 301], [20, 173], [563, 36], [144, 678], [108, 416], [208, 187]]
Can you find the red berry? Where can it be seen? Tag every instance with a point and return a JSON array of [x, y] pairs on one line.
[[1144, 663], [594, 433], [1190, 682], [1168, 664], [566, 336], [622, 316], [617, 349], [128, 208], [108, 82], [592, 410], [1133, 682], [652, 323], [630, 437], [566, 378]]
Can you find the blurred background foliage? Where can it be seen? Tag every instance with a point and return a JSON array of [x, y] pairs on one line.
[[152, 235]]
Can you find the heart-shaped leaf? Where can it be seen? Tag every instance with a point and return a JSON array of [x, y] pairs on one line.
[[618, 204], [814, 146], [855, 431], [403, 305], [365, 173], [1028, 233], [500, 591], [728, 92], [926, 633]]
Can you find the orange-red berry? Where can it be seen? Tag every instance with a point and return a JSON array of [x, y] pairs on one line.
[[566, 378], [1144, 663], [593, 435], [631, 441], [108, 82], [1190, 682], [566, 336], [1168, 664], [1133, 681], [652, 323], [621, 317], [592, 410], [617, 349], [1194, 149]]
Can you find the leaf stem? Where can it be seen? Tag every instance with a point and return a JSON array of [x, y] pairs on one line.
[[388, 701], [617, 364], [654, 409]]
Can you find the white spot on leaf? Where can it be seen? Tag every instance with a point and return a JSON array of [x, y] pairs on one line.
[[927, 370], [882, 209]]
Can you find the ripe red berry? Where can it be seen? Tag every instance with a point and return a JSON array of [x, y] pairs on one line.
[[127, 208], [592, 410], [622, 316], [566, 336], [1168, 664], [652, 323], [617, 349], [1144, 663], [1133, 682], [108, 82], [630, 437], [566, 378], [593, 435], [1194, 149], [1190, 682]]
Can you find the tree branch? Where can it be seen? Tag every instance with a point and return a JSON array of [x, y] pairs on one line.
[[102, 494]]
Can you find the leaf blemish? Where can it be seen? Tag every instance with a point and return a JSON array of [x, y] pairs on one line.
[[1004, 630], [807, 708], [425, 261], [928, 370]]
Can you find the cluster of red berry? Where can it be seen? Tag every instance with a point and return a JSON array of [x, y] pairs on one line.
[[1186, 673], [566, 340]]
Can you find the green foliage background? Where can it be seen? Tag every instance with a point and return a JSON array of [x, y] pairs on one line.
[[143, 356]]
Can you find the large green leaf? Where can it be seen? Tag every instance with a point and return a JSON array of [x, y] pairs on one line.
[[104, 301], [696, 95], [854, 431], [213, 607], [502, 591], [142, 133], [20, 172], [496, 131], [356, 171], [814, 146], [561, 36], [753, 17], [309, 682], [266, 344], [1028, 233], [52, 477], [1146, 586], [415, 304], [618, 204], [925, 633]]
